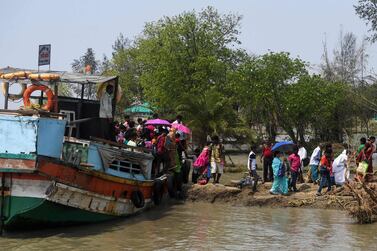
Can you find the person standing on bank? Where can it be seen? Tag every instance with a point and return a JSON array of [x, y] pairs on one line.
[[295, 163], [252, 167], [217, 159], [280, 183], [314, 164], [325, 171], [304, 162], [267, 163], [369, 174], [106, 112]]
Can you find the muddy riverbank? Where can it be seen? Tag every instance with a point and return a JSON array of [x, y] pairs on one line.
[[304, 198]]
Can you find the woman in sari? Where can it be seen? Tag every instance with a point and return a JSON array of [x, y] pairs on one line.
[[366, 156], [280, 183]]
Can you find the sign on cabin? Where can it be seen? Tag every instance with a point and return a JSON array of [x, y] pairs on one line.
[[44, 54]]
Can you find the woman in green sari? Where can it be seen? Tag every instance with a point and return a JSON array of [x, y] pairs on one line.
[[280, 184]]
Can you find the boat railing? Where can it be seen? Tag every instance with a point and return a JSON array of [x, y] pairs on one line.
[[131, 148], [31, 112]]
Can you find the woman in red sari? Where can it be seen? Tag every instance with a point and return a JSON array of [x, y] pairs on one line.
[[366, 155]]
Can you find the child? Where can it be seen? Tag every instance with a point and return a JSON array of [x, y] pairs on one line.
[[120, 137], [295, 163], [325, 171], [252, 167]]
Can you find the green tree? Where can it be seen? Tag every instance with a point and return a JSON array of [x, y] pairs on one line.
[[367, 10], [124, 64], [185, 62], [264, 86]]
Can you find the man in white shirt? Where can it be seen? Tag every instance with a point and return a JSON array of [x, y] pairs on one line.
[[252, 167], [314, 163], [303, 155], [178, 119], [106, 111]]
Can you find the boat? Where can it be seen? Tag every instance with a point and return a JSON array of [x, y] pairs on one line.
[[56, 168]]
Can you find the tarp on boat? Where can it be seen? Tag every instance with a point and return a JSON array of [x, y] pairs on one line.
[[66, 77]]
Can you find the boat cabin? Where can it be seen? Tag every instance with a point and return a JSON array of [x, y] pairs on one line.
[[69, 130]]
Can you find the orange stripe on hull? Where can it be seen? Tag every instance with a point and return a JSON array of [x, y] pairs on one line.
[[85, 180], [17, 164]]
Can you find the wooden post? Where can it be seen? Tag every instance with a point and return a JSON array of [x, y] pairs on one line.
[[115, 95], [6, 95], [79, 106], [56, 93]]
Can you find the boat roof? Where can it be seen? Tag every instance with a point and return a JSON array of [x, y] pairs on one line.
[[66, 77]]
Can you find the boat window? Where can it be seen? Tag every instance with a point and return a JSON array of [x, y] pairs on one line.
[[114, 167], [125, 166], [125, 170]]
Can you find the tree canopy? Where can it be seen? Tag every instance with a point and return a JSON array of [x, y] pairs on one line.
[[193, 64]]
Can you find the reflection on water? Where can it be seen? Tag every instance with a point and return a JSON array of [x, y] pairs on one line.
[[200, 226]]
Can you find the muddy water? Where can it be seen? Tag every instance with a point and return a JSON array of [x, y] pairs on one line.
[[197, 226]]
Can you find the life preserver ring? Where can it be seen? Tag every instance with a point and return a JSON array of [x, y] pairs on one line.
[[44, 76], [16, 75], [13, 97], [137, 199], [158, 191], [50, 96]]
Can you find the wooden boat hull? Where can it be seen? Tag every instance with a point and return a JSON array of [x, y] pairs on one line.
[[56, 194], [48, 179], [30, 213]]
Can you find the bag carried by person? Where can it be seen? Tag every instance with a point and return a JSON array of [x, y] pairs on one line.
[[362, 167], [281, 171], [305, 162]]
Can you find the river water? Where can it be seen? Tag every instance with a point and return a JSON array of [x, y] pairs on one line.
[[203, 226]]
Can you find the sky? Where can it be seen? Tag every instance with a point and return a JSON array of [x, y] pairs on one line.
[[295, 26]]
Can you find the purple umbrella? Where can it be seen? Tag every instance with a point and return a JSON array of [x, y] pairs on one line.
[[158, 122]]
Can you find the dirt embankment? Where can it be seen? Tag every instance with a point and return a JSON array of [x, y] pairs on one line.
[[305, 197]]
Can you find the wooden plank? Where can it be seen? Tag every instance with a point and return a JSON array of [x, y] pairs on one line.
[[30, 112]]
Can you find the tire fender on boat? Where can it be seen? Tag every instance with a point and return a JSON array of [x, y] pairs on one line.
[[185, 171], [171, 186], [45, 89], [158, 191], [137, 199]]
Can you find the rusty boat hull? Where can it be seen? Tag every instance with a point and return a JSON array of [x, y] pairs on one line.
[[57, 194], [48, 179]]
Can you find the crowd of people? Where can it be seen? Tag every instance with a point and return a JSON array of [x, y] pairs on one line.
[[167, 144], [285, 169]]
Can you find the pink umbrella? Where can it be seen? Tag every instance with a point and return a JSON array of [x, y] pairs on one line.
[[181, 128], [158, 122]]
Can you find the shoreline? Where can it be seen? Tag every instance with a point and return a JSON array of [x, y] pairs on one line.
[[304, 198]]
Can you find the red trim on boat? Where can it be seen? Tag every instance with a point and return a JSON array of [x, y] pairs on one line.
[[84, 180]]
